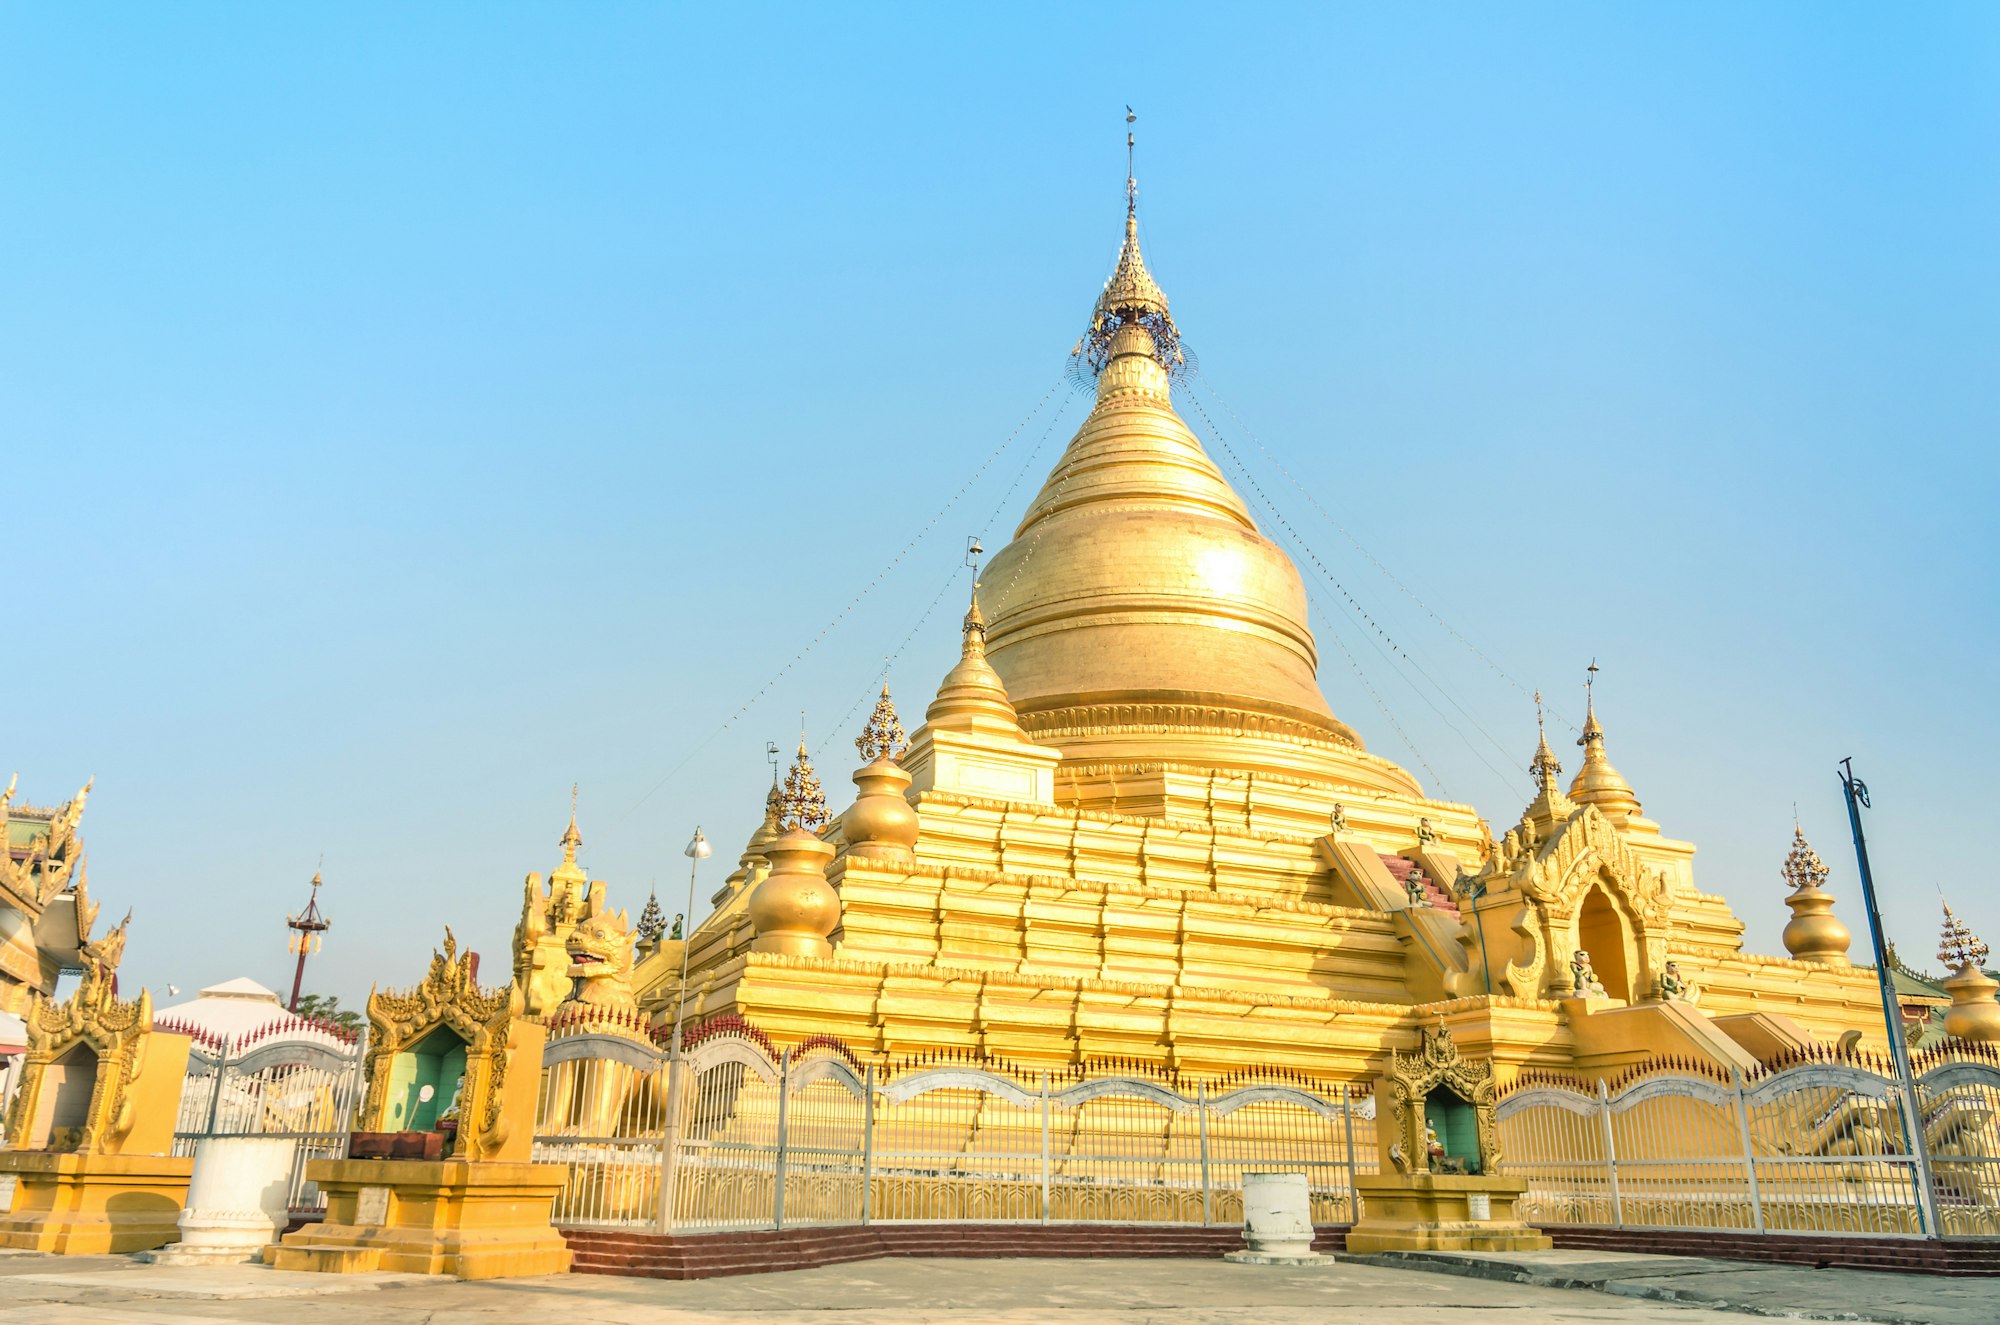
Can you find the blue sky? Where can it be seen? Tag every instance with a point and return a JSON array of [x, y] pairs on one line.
[[410, 412]]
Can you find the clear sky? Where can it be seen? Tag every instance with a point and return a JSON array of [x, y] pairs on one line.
[[408, 411]]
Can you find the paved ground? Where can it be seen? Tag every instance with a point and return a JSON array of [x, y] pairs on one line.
[[1791, 1291], [48, 1290]]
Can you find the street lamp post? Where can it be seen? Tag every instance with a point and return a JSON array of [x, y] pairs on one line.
[[697, 850]]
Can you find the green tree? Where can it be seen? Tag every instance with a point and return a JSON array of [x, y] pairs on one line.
[[325, 1007]]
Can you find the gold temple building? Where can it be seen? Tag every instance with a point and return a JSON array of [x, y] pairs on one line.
[[1132, 827], [46, 915]]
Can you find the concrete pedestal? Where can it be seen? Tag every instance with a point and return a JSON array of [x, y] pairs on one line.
[[1440, 1212], [88, 1205], [473, 1219], [1277, 1221], [238, 1201]]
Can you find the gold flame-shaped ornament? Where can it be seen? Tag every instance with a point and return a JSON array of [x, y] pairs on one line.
[[802, 802], [1959, 948], [883, 737], [1803, 868]]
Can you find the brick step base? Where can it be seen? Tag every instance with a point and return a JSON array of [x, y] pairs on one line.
[[1910, 1255], [681, 1256]]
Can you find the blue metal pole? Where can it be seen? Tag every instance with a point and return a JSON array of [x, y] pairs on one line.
[[1856, 792]]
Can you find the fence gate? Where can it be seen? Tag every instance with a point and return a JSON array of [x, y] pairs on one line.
[[304, 1089]]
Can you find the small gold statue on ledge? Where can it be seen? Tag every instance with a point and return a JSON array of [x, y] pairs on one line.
[[1583, 980]]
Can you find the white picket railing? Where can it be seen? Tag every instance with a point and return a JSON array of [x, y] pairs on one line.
[[734, 1137], [1823, 1147]]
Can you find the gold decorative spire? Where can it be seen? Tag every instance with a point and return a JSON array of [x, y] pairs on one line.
[[1131, 298], [1959, 948], [1814, 934], [1544, 766], [972, 692], [802, 803], [1549, 806], [883, 737], [1597, 782], [1973, 1014], [571, 839], [1803, 868]]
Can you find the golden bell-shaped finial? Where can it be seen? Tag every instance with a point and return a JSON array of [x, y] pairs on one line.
[[1973, 1014], [880, 825], [1597, 782], [1813, 934], [794, 908]]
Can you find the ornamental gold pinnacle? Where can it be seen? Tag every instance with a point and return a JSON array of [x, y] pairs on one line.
[[883, 737], [802, 803], [1803, 867], [1959, 948]]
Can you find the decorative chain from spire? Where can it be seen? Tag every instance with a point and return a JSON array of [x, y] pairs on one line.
[[802, 803], [1803, 867], [1959, 948], [883, 737]]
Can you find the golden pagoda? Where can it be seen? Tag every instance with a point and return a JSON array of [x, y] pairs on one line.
[[1136, 828]]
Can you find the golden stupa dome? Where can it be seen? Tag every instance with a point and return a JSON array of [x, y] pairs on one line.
[[1139, 595], [1597, 782]]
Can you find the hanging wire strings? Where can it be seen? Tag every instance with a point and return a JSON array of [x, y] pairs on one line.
[[843, 613], [868, 694], [1305, 492], [1354, 609]]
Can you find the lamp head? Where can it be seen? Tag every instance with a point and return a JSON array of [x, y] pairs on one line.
[[698, 848]]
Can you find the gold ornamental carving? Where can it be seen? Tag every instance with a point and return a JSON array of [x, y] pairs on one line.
[[1412, 1078], [448, 998], [93, 1026]]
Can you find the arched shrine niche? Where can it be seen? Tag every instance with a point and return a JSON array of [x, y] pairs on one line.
[[1603, 932], [62, 1111]]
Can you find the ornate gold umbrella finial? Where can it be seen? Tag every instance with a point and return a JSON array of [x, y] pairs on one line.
[[1131, 297], [883, 737], [802, 802], [1803, 868], [1958, 947]]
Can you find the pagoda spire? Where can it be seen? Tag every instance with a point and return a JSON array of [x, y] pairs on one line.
[[571, 839], [1597, 782], [972, 693], [1131, 298], [1550, 806]]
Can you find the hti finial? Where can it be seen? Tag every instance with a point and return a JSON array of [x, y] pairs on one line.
[[1131, 179], [571, 839], [1538, 713], [771, 753]]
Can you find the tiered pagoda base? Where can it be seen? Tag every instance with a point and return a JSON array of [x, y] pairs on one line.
[[91, 1205], [474, 1220], [1440, 1212]]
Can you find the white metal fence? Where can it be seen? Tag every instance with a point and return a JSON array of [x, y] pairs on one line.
[[298, 1081], [735, 1136], [1827, 1145]]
